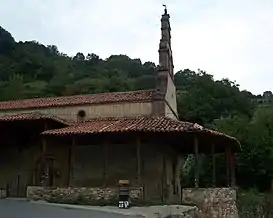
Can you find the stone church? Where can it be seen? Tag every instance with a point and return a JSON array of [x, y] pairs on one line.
[[87, 143]]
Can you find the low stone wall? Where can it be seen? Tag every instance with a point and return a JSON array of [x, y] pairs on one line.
[[81, 195], [212, 202]]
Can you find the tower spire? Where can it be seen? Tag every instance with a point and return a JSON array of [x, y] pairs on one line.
[[164, 102], [165, 51]]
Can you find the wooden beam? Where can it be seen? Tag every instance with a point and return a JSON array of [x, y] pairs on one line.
[[228, 166], [45, 126], [164, 175], [44, 145], [138, 145], [232, 169], [105, 162], [71, 161], [213, 165], [196, 172]]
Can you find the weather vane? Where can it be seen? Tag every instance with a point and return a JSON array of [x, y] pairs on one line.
[[165, 6]]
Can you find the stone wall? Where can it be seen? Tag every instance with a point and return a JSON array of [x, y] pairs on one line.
[[212, 202], [83, 195], [171, 105]]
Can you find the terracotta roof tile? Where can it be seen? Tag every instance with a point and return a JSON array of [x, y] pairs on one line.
[[158, 124], [213, 132], [101, 98], [136, 124], [31, 116]]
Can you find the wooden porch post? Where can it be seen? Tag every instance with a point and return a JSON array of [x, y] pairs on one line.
[[105, 162], [71, 162], [45, 126], [44, 144], [228, 165], [164, 183], [232, 169], [138, 145], [44, 140], [196, 173], [37, 172], [44, 147], [213, 165]]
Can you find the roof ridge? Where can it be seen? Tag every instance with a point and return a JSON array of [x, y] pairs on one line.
[[68, 96], [95, 98], [118, 118]]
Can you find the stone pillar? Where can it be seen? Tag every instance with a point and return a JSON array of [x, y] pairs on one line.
[[213, 202]]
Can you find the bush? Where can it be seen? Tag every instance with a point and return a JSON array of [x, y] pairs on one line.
[[252, 204]]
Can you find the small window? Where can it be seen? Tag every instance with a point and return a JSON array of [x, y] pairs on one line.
[[81, 115]]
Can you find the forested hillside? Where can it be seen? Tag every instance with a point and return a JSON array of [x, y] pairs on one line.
[[29, 69]]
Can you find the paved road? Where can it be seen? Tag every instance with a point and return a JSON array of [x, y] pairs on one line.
[[22, 209]]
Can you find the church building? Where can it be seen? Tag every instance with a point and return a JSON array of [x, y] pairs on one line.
[[86, 144]]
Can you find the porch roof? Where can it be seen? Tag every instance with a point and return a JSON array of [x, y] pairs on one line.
[[151, 124], [34, 116]]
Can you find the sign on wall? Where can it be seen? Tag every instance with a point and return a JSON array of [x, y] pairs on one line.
[[124, 194]]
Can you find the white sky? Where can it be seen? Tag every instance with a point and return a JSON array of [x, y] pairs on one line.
[[227, 38]]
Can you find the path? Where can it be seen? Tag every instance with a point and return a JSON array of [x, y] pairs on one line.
[[22, 209]]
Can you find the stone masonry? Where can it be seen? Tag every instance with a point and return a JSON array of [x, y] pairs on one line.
[[212, 202], [82, 195]]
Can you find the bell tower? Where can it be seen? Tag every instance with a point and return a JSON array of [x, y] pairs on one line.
[[165, 94], [165, 50]]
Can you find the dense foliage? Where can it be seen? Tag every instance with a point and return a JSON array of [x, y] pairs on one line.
[[29, 69]]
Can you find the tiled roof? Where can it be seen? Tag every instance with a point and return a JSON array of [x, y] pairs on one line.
[[213, 132], [156, 124], [141, 124], [101, 98], [31, 116], [135, 124]]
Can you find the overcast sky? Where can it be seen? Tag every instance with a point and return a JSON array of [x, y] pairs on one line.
[[227, 38]]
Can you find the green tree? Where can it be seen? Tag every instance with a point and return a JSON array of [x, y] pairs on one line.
[[256, 136], [7, 42], [14, 88]]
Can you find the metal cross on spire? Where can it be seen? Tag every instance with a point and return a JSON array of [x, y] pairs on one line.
[[165, 8]]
